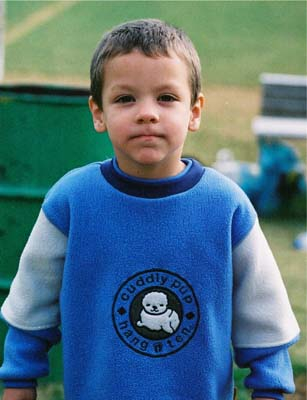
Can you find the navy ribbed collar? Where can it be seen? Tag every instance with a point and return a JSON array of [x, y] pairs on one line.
[[153, 188]]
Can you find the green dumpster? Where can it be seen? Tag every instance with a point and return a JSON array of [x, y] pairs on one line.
[[45, 131]]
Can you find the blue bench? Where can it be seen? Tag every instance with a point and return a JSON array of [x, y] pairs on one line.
[[279, 175], [283, 117], [283, 109]]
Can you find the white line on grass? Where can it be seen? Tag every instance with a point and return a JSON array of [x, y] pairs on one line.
[[36, 19]]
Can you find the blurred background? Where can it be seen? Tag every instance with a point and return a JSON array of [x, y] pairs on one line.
[[49, 44]]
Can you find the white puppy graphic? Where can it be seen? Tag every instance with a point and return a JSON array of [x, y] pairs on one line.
[[155, 314]]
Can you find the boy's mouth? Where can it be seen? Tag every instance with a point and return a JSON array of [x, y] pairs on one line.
[[146, 136]]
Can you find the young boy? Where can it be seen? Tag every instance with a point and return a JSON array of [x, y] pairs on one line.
[[154, 266]]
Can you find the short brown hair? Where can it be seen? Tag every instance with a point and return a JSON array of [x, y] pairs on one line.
[[153, 38]]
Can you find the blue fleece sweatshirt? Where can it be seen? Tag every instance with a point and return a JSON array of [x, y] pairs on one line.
[[150, 300]]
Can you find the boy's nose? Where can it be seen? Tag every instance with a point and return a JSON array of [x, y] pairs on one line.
[[147, 115]]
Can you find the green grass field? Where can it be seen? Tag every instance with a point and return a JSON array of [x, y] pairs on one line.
[[236, 40]]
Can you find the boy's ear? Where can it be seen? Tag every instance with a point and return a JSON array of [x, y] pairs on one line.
[[195, 116], [98, 117]]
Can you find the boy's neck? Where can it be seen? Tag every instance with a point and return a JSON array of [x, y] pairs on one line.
[[152, 188], [153, 171]]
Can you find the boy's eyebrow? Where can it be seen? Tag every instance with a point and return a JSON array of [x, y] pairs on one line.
[[172, 85], [169, 86], [121, 87]]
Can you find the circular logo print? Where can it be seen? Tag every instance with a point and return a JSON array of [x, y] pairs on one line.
[[155, 313]]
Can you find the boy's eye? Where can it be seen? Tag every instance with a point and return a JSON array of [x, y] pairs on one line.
[[167, 98], [124, 99]]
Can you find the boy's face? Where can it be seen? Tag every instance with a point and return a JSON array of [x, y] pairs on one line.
[[147, 113]]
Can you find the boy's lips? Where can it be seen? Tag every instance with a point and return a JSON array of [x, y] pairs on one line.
[[146, 136]]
